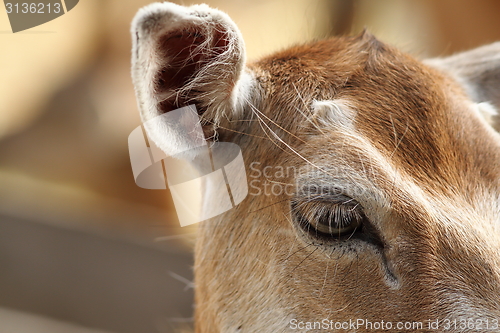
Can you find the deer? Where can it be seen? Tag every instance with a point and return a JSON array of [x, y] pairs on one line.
[[384, 210]]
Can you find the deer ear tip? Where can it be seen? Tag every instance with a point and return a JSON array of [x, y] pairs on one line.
[[153, 14]]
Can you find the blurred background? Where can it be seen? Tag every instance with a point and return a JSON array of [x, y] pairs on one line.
[[82, 248]]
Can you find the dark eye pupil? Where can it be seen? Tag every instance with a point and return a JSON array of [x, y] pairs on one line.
[[337, 220]]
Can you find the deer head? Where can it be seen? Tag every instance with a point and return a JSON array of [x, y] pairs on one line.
[[374, 177]]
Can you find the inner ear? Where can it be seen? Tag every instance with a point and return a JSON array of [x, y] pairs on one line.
[[183, 49], [188, 53]]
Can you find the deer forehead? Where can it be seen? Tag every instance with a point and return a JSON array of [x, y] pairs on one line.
[[418, 118]]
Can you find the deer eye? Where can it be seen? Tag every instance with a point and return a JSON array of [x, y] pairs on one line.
[[340, 219]]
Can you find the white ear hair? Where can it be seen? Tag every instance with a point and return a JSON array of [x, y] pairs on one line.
[[186, 56]]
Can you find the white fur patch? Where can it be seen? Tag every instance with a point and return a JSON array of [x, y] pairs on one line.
[[336, 112], [487, 111], [243, 91]]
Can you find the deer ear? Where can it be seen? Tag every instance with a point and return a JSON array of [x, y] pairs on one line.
[[478, 70], [184, 56]]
